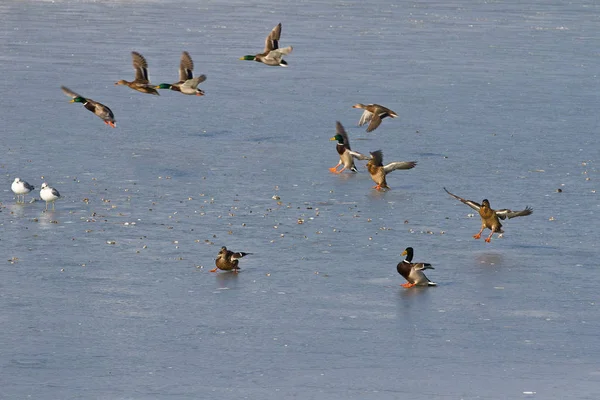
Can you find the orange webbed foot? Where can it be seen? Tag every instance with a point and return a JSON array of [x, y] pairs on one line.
[[333, 169], [408, 285], [477, 236], [213, 270], [487, 240]]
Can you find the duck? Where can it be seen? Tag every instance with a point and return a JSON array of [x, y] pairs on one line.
[[141, 82], [413, 272], [21, 188], [374, 114], [272, 55], [490, 218], [228, 260], [49, 194], [347, 156], [187, 84], [378, 171], [99, 109]]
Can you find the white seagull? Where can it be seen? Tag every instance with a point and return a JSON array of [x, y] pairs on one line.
[[21, 188], [49, 194]]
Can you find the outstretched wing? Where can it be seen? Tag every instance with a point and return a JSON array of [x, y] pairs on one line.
[[141, 67], [69, 92], [505, 213], [272, 40], [237, 256], [186, 66], [399, 165], [365, 117], [470, 203], [194, 82], [357, 155], [375, 122]]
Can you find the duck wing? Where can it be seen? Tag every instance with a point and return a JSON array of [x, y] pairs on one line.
[[505, 213], [399, 165], [141, 67], [194, 82], [272, 40], [69, 92], [470, 203], [186, 67]]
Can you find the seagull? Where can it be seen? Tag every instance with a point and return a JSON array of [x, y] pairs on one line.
[[49, 194], [21, 188]]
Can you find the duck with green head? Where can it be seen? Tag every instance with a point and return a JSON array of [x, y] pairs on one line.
[[272, 54], [347, 156], [187, 84], [99, 109], [413, 272]]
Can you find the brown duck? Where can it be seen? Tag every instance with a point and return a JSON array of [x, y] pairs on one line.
[[141, 82], [413, 272], [378, 171], [228, 260], [272, 54], [490, 218], [347, 156], [374, 113]]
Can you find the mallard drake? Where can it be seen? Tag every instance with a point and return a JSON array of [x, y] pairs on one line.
[[413, 272], [490, 218], [373, 113], [347, 156], [272, 54], [102, 111], [378, 171], [21, 188], [49, 194], [141, 82], [187, 83], [228, 260]]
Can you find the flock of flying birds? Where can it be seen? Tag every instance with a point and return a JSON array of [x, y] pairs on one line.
[[373, 114]]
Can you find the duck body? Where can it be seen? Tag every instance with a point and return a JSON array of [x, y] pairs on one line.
[[49, 194], [413, 272], [374, 114], [379, 171], [141, 83], [272, 54], [21, 188], [228, 260], [490, 218], [99, 109], [347, 156], [187, 84]]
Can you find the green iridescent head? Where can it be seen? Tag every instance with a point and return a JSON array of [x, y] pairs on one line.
[[249, 58], [339, 138], [78, 99], [163, 86]]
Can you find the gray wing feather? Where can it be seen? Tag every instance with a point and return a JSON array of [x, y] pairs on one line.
[[69, 92], [505, 213], [399, 165]]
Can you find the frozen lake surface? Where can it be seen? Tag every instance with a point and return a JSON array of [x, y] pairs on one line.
[[110, 296]]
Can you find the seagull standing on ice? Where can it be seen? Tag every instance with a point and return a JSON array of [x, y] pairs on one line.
[[21, 188], [49, 194]]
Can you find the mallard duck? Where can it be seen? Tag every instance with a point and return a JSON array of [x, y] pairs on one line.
[[490, 218], [378, 171], [373, 113], [187, 83], [347, 156], [141, 82], [102, 111], [49, 194], [21, 188], [228, 260], [272, 54], [413, 272]]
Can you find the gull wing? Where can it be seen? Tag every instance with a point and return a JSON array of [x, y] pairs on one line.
[[470, 203]]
